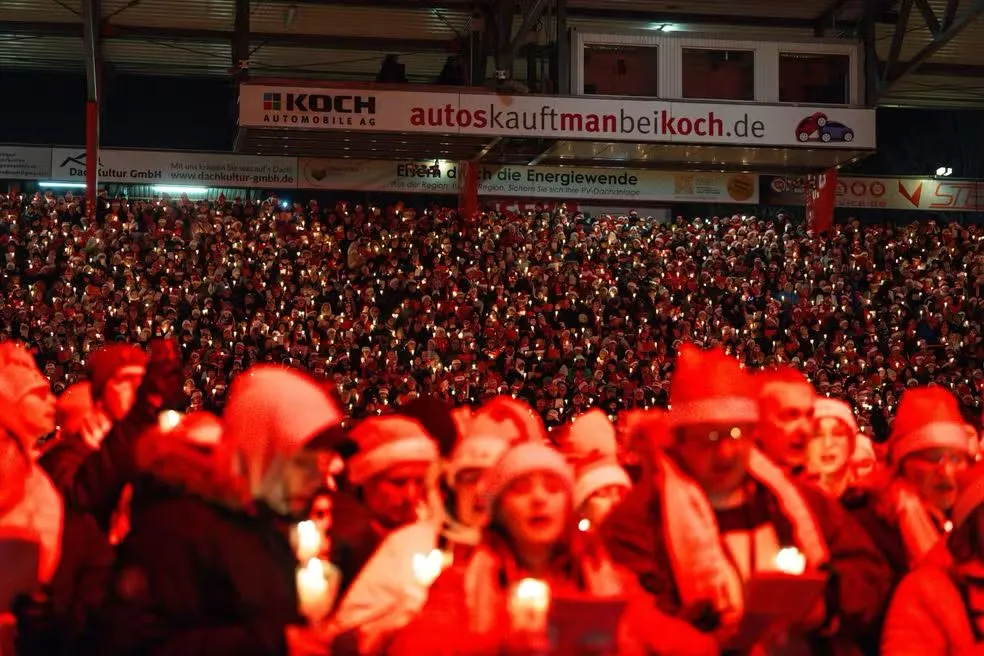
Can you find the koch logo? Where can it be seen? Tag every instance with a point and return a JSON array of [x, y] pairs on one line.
[[318, 103], [271, 102]]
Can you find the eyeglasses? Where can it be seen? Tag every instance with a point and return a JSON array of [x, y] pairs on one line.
[[942, 459]]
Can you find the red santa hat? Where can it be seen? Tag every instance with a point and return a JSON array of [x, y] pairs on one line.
[[710, 387], [481, 445], [927, 418], [590, 434], [596, 473], [514, 420], [385, 442], [112, 360], [864, 449], [271, 413], [827, 408], [520, 460]]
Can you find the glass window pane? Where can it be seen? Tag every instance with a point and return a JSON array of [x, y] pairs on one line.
[[718, 74], [613, 70], [814, 79]]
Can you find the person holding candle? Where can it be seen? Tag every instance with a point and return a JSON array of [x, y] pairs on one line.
[[499, 599], [718, 511], [938, 608], [829, 451], [208, 567]]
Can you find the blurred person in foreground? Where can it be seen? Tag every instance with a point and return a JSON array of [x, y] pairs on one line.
[[208, 567], [718, 511], [389, 474], [907, 511], [58, 605], [938, 609], [389, 592], [532, 535], [830, 449]]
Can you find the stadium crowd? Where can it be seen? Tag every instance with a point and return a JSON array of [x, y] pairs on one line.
[[295, 431], [561, 310]]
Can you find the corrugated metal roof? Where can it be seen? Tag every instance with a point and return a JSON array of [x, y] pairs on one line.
[[764, 8], [49, 53], [48, 11], [192, 14], [937, 91], [963, 49], [277, 61], [168, 58], [358, 21]]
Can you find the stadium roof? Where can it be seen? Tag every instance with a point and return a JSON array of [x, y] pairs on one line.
[[929, 48]]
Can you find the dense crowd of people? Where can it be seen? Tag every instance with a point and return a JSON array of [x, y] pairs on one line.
[[564, 311], [255, 429]]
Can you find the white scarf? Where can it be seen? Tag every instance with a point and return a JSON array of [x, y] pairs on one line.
[[39, 516], [703, 568]]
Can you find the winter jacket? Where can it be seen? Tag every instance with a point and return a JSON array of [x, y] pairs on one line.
[[929, 615], [354, 538], [466, 611], [859, 580], [92, 481], [68, 622], [199, 574]]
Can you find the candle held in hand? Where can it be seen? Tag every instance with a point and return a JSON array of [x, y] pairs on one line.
[[528, 605], [313, 598], [168, 420], [789, 560], [308, 541], [427, 567]]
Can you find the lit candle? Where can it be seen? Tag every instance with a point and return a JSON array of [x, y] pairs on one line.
[[427, 567], [313, 593], [789, 560], [528, 605], [307, 541], [168, 420]]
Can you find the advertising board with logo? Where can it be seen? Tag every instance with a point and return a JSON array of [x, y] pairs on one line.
[[929, 194], [551, 117], [176, 168], [24, 162], [530, 181]]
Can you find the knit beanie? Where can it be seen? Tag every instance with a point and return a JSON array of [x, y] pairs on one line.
[[710, 387], [387, 441], [19, 374], [271, 413], [926, 418], [520, 460], [106, 362]]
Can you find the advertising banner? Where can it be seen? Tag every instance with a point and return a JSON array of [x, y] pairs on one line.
[[929, 194], [821, 198], [571, 183], [551, 117], [176, 168], [24, 163]]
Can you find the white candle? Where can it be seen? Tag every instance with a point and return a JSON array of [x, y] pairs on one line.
[[308, 541], [313, 598], [790, 561], [427, 567], [528, 605]]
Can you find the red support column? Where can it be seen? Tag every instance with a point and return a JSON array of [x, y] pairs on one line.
[[91, 157]]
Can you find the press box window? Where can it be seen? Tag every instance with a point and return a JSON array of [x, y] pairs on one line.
[[718, 74], [814, 79], [611, 70]]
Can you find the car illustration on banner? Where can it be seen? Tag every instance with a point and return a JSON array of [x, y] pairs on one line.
[[819, 127]]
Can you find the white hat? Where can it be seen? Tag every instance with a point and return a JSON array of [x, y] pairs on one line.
[[388, 441], [480, 447], [592, 433], [597, 474], [522, 459], [864, 449], [272, 413], [824, 407]]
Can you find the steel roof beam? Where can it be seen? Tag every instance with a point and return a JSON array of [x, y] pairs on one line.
[[973, 12], [91, 39]]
